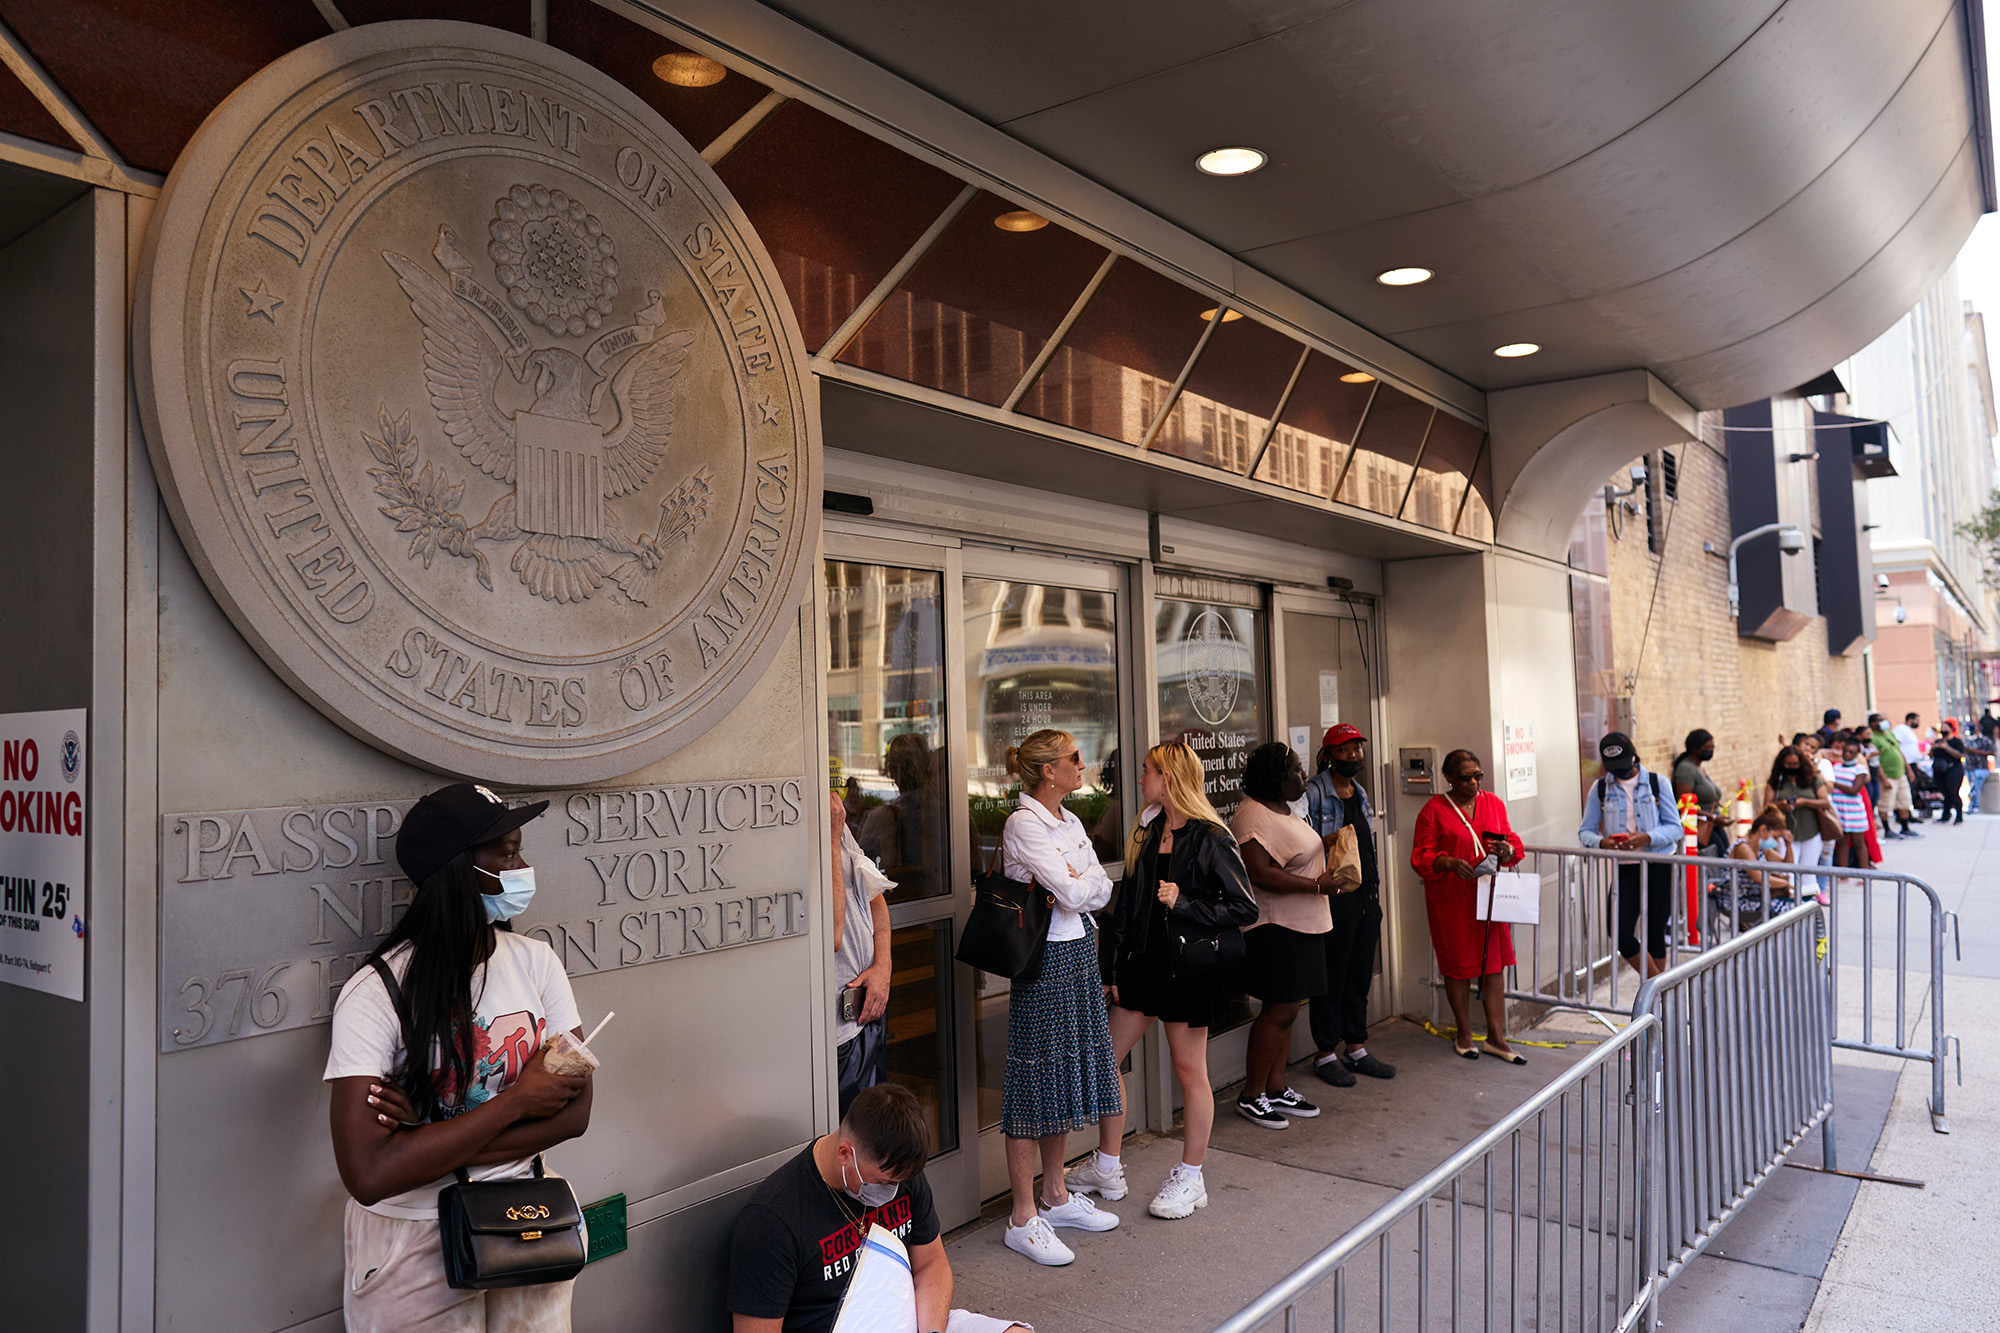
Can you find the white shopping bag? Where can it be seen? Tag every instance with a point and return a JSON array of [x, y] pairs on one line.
[[1511, 895], [881, 1296]]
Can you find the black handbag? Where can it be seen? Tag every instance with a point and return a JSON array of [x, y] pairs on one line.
[[1008, 927], [510, 1233], [504, 1233], [1197, 952]]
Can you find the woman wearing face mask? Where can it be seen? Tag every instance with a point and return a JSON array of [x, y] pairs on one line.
[[1711, 835], [1284, 962], [1797, 790], [1060, 1074], [1183, 877], [1459, 836], [477, 1001], [1770, 840]]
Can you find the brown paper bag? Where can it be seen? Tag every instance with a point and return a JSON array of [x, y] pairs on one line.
[[1345, 860]]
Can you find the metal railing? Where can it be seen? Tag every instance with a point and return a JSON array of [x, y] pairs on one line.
[[1742, 1060], [1572, 958], [1579, 1207], [1540, 1222]]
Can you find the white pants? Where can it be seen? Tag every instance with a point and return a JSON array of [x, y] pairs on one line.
[[1805, 852], [395, 1284]]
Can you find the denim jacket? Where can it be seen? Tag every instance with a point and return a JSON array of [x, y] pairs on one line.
[[1661, 823], [1326, 812]]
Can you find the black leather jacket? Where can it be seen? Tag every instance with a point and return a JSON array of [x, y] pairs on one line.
[[1215, 891]]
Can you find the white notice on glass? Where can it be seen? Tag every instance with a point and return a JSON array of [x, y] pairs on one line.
[[1301, 739], [1519, 747], [1329, 698], [42, 786]]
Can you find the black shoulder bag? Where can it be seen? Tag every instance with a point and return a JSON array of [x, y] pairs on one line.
[[504, 1233], [1008, 927]]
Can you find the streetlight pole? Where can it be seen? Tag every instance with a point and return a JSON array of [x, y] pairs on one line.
[[1797, 543]]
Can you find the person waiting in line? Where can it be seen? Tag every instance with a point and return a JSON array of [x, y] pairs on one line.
[[1948, 757], [1461, 835], [1796, 789], [1284, 962], [1711, 831], [1895, 790], [793, 1250], [416, 1095], [1060, 1075], [1850, 806], [1829, 727], [1768, 840], [1183, 875], [1339, 1015], [1629, 809], [902, 834], [1979, 750], [860, 962]]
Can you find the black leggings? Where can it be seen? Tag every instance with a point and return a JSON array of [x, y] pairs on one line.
[[1659, 906]]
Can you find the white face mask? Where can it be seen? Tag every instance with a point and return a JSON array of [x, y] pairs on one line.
[[870, 1193], [517, 890]]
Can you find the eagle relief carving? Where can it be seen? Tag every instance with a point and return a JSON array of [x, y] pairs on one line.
[[599, 425]]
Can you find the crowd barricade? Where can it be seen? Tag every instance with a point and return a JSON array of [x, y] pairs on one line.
[[1884, 924], [1579, 1207]]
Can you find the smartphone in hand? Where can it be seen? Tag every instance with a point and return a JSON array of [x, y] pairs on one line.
[[851, 1000]]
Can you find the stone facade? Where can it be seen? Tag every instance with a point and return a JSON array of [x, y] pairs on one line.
[[1689, 668]]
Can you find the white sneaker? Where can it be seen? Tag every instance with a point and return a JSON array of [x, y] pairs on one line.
[[1180, 1196], [1039, 1243], [1087, 1178], [1079, 1212]]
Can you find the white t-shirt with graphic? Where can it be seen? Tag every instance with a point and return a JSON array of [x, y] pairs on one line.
[[520, 995]]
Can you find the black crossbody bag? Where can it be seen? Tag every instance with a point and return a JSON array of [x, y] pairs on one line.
[[504, 1233]]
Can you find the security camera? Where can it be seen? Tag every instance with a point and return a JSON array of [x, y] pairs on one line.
[[1638, 474], [1882, 583], [1791, 541], [1901, 613]]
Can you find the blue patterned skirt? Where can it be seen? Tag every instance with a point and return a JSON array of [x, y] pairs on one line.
[[1060, 1074]]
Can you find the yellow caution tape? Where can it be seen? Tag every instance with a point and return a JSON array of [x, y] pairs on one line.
[[1436, 1031]]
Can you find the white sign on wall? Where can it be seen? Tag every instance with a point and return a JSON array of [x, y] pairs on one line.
[[42, 786], [1518, 748], [1329, 698]]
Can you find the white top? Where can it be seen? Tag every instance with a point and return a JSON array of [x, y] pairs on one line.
[[854, 951], [520, 995], [1906, 740], [1056, 854]]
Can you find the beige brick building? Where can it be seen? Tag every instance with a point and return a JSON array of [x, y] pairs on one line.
[[1658, 577]]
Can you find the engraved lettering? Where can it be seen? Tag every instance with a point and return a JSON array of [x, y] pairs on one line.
[[380, 118], [458, 113]]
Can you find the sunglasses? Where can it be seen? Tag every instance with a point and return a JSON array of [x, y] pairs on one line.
[[1076, 757]]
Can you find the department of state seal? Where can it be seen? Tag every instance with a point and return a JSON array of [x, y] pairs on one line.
[[476, 403]]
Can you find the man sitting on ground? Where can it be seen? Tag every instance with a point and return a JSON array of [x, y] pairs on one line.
[[797, 1240]]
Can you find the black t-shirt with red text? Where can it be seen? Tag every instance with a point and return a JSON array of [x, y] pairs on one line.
[[792, 1252]]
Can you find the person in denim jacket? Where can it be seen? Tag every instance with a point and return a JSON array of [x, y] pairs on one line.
[[1340, 1015], [1631, 809]]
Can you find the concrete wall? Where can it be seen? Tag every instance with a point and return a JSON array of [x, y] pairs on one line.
[[1692, 669], [46, 452]]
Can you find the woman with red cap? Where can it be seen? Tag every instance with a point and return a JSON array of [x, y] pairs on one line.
[[455, 984]]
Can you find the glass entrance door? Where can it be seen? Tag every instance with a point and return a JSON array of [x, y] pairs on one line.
[[1326, 654]]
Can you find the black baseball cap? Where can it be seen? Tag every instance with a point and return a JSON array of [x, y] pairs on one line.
[[1830, 716], [455, 819], [1615, 750]]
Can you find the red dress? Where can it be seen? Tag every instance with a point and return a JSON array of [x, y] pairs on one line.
[[1466, 947]]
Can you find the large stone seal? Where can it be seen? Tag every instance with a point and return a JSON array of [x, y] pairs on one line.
[[476, 402]]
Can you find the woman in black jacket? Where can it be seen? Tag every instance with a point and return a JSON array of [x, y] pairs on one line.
[[1184, 886]]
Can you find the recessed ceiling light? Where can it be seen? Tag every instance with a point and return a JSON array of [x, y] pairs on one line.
[[685, 69], [1228, 316], [1356, 377], [1403, 277], [1020, 220], [1230, 161], [1517, 349]]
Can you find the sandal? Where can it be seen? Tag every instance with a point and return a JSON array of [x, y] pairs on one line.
[[1505, 1057]]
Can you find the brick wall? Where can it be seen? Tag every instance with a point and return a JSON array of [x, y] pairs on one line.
[[1693, 670]]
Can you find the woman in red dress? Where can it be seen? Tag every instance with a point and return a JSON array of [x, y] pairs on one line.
[[1445, 852]]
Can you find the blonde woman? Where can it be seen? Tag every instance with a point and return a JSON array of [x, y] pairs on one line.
[[1060, 1074], [1183, 876]]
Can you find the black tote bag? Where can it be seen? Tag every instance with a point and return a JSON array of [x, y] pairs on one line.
[[1008, 927]]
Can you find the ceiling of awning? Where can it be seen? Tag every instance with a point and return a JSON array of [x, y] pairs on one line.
[[1734, 195]]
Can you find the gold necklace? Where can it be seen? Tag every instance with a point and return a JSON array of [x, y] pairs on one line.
[[838, 1201]]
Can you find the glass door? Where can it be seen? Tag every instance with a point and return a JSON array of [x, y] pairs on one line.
[[1326, 653], [1042, 646]]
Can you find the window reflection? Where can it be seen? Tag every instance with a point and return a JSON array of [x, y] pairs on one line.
[[1223, 413], [1442, 472], [1112, 374], [1475, 517], [1316, 430], [920, 1027], [885, 704], [1036, 655], [1386, 454], [626, 51]]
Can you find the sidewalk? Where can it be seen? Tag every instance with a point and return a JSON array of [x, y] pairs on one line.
[[1826, 1252]]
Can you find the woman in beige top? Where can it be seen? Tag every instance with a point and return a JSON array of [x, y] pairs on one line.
[[1284, 961]]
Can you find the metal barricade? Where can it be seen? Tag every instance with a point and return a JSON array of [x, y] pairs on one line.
[[1742, 1061], [1572, 959], [1541, 1222]]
